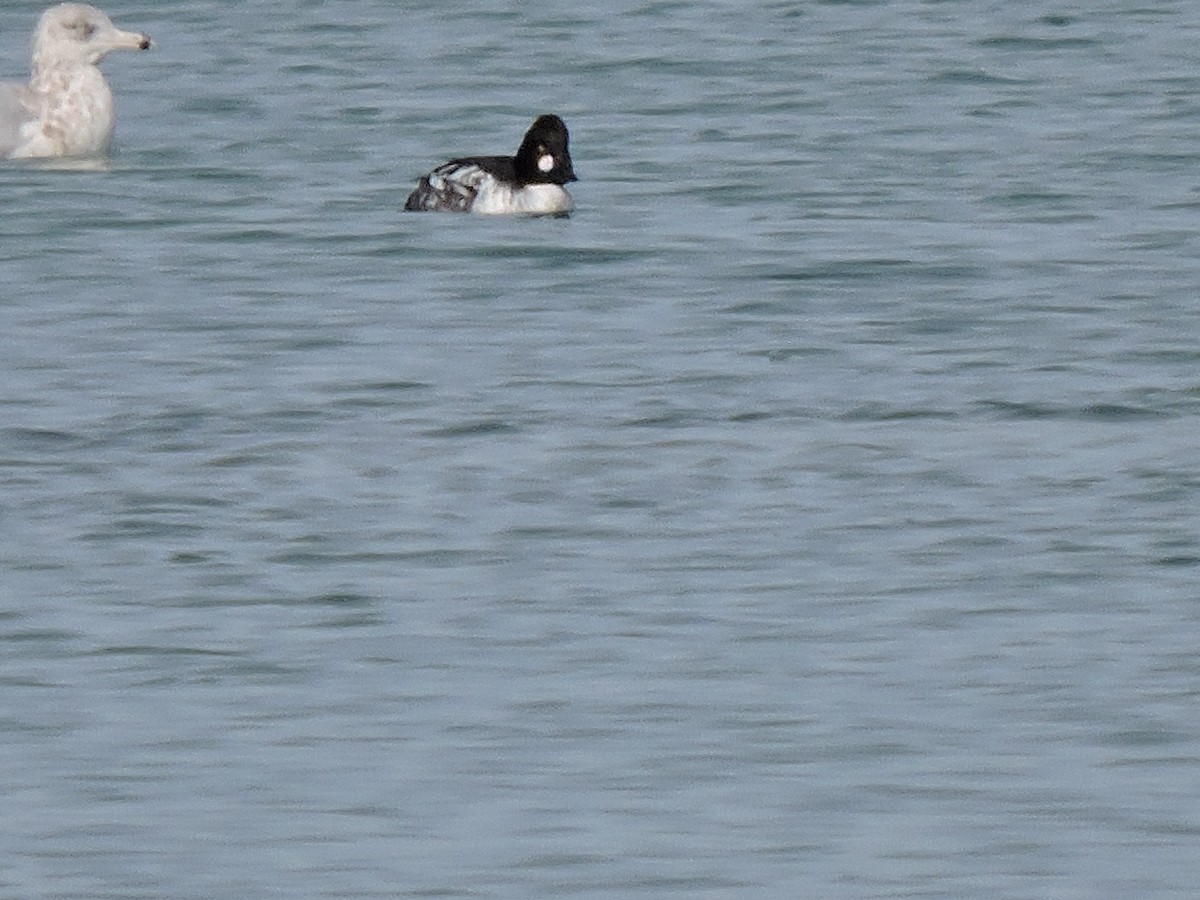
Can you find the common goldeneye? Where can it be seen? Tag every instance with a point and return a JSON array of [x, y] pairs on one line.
[[530, 183]]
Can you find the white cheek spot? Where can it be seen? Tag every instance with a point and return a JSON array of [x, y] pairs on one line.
[[545, 163]]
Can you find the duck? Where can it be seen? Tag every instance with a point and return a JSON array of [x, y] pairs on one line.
[[531, 183]]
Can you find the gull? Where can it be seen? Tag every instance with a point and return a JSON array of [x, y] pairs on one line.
[[66, 109]]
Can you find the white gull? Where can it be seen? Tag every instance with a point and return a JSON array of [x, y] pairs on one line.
[[66, 109]]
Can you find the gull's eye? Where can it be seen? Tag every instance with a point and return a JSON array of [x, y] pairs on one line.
[[88, 30]]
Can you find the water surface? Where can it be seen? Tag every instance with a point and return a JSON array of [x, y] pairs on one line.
[[812, 514]]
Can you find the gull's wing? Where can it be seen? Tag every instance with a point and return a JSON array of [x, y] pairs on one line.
[[13, 115]]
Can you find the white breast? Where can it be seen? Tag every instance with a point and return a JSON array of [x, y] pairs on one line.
[[497, 198], [72, 115]]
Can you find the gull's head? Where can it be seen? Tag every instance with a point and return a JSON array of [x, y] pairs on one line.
[[78, 34]]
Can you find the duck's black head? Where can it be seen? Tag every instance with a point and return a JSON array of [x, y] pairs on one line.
[[544, 156]]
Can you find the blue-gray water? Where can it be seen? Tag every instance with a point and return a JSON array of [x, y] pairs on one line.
[[815, 513]]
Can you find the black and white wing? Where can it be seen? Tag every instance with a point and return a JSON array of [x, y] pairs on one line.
[[452, 187]]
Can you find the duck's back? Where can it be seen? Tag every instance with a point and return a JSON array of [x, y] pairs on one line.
[[453, 187]]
